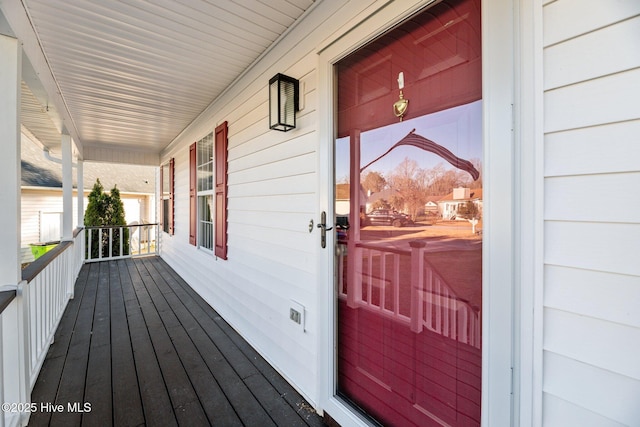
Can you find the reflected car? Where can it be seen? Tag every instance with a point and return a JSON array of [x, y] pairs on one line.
[[386, 217]]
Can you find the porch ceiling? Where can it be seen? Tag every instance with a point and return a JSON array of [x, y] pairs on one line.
[[132, 74]]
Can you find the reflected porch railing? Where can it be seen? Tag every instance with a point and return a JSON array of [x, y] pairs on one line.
[[121, 241], [403, 285]]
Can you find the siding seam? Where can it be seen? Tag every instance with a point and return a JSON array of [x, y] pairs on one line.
[[592, 30], [553, 132]]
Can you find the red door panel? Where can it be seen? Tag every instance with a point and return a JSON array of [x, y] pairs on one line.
[[409, 299]]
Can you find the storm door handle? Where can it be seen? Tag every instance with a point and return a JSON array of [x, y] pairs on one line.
[[323, 229]]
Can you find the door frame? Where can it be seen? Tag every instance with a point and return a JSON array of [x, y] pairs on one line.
[[499, 204]]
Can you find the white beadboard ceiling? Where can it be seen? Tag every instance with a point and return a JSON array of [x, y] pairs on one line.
[[132, 74]]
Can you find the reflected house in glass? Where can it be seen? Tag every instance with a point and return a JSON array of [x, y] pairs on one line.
[[452, 203]]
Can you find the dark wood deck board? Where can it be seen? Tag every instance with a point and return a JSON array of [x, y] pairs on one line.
[[127, 406], [72, 383], [98, 379], [237, 393], [249, 354], [183, 396], [143, 348], [187, 338]]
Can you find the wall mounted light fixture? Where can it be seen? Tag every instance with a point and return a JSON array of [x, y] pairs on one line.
[[283, 102]]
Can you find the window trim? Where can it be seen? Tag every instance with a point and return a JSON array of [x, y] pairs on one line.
[[201, 195], [171, 198], [218, 191]]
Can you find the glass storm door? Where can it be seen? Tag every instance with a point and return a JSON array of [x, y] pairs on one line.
[[409, 221]]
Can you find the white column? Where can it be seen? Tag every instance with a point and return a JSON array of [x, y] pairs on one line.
[[80, 196], [67, 188], [10, 76]]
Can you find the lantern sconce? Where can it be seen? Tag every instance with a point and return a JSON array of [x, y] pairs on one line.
[[283, 102]]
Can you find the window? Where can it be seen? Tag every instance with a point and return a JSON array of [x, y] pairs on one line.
[[205, 191], [208, 198], [167, 196]]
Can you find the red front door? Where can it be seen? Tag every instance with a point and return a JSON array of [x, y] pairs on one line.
[[409, 200]]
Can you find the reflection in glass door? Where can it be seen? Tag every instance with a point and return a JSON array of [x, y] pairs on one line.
[[409, 215]]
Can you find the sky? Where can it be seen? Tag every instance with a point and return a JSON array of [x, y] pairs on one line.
[[458, 129]]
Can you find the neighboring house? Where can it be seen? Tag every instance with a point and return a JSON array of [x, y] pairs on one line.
[[449, 205], [543, 329], [41, 194], [384, 196], [431, 206], [342, 199]]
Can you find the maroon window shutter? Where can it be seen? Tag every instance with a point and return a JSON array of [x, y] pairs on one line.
[[171, 218], [221, 190], [161, 215], [193, 194]]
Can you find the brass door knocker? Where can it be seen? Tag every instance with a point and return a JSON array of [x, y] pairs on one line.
[[400, 106]]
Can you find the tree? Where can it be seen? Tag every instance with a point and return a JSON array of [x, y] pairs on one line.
[[381, 204], [442, 180], [469, 210], [106, 210], [408, 181], [477, 163], [373, 182]]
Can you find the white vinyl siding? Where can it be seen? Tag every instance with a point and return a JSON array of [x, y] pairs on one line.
[[592, 213], [272, 196], [34, 204]]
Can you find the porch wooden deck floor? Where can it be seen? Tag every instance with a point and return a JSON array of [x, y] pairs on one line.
[[140, 347]]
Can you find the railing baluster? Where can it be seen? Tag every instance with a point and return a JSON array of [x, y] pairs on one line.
[[99, 243], [417, 283], [383, 275], [89, 244], [396, 285], [106, 252]]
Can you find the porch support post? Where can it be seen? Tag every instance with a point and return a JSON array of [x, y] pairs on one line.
[[10, 76], [80, 195], [67, 188]]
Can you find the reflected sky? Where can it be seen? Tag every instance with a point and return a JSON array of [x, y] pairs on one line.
[[458, 129]]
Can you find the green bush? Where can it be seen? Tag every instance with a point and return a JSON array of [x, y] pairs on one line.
[[105, 210]]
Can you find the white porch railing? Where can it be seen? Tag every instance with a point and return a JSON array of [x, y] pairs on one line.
[[417, 296], [116, 242], [29, 318]]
